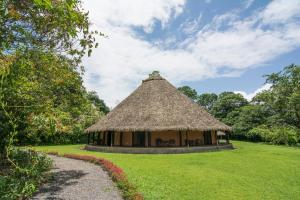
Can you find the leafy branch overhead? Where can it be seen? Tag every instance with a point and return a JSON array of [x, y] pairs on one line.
[[58, 26]]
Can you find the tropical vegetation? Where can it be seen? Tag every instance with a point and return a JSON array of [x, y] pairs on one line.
[[271, 116], [42, 98], [27, 175]]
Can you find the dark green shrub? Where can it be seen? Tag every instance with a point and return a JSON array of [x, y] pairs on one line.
[[275, 135], [256, 133], [23, 181], [284, 135]]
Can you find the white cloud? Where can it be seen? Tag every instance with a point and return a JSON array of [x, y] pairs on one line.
[[281, 11], [250, 95], [245, 43], [141, 13], [228, 42], [190, 26]]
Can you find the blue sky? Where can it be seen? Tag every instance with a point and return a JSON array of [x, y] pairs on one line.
[[250, 80], [210, 45]]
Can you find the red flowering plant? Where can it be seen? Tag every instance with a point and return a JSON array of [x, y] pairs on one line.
[[52, 153], [117, 174]]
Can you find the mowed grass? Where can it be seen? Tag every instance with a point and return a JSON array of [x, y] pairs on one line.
[[251, 171]]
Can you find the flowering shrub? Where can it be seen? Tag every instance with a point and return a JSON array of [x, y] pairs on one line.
[[117, 174]]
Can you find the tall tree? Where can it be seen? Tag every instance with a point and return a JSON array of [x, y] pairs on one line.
[[226, 103], [59, 26], [99, 103], [188, 91], [207, 100], [247, 117], [285, 93], [46, 98], [41, 45]]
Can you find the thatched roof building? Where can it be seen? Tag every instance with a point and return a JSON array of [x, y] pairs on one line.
[[157, 106]]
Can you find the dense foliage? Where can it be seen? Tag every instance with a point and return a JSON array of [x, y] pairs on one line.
[[207, 100], [21, 182], [188, 91], [46, 98], [97, 102], [47, 25], [272, 116], [42, 99]]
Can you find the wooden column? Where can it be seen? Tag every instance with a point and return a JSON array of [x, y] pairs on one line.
[[180, 138], [146, 139], [101, 136], [132, 138], [121, 138], [187, 139], [227, 139], [149, 139], [98, 139], [111, 138], [212, 135], [93, 138], [89, 135], [104, 138]]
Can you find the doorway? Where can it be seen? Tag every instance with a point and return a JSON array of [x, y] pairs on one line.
[[138, 139], [207, 137], [110, 138]]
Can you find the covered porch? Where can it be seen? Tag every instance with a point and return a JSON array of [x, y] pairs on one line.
[[155, 139]]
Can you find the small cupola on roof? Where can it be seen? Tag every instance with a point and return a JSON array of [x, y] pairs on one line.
[[154, 76]]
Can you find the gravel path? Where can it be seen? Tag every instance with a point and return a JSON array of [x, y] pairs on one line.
[[76, 179]]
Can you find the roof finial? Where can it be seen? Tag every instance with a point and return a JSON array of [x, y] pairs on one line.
[[154, 74]]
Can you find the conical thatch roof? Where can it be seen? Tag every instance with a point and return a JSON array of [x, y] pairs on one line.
[[157, 105]]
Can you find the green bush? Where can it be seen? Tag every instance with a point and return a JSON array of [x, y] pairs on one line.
[[257, 133], [284, 135], [23, 181], [275, 135]]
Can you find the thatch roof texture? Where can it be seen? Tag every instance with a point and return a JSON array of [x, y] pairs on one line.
[[157, 105]]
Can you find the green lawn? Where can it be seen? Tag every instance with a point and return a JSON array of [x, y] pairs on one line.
[[252, 171]]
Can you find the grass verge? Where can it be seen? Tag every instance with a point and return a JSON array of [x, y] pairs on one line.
[[251, 171]]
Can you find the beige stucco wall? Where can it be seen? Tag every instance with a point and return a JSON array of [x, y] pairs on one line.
[[102, 137], [117, 138], [195, 135], [214, 137], [127, 139], [165, 135]]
